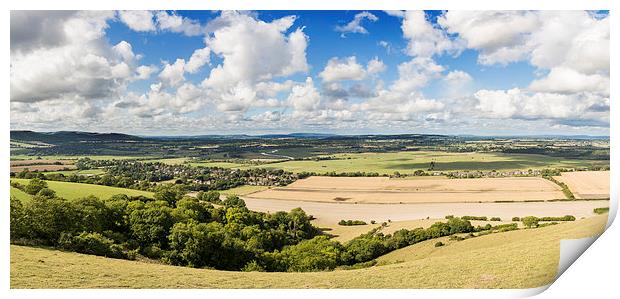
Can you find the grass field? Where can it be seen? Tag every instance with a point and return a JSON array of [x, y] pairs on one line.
[[408, 162], [19, 194], [243, 190], [516, 259], [427, 190], [76, 190]]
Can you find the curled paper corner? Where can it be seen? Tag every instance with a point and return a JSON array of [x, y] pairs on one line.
[[571, 250]]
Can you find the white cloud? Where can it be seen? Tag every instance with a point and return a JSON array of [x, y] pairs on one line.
[[375, 66], [144, 72], [515, 103], [346, 69], [175, 23], [172, 74], [395, 13], [304, 98], [84, 66], [425, 40], [566, 80], [253, 50], [355, 26], [138, 20], [415, 74], [199, 58]]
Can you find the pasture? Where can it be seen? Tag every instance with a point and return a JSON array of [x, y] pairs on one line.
[[408, 162], [492, 261], [586, 184], [76, 190], [428, 190]]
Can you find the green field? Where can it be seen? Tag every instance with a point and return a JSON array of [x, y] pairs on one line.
[[408, 162], [76, 190], [243, 190], [19, 194], [193, 162], [515, 259]]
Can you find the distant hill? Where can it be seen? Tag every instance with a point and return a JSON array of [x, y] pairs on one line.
[[61, 137]]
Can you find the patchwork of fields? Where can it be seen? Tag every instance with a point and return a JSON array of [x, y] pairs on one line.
[[76, 190], [427, 190]]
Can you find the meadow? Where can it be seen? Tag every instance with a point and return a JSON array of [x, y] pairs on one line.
[[498, 260], [76, 190]]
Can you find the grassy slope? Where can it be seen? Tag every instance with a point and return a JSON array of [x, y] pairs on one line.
[[517, 259], [76, 190], [19, 194], [408, 162]]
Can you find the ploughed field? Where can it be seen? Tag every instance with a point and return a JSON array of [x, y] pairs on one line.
[[586, 184], [384, 190]]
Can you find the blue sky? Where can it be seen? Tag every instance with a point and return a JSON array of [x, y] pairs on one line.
[[196, 72]]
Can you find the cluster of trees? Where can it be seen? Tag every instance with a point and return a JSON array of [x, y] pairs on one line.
[[175, 229], [306, 174], [569, 194], [351, 222], [532, 221]]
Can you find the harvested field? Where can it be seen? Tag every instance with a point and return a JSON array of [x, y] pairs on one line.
[[334, 212], [428, 190], [40, 162], [586, 184]]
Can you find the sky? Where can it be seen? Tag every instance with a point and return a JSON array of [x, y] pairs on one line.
[[340, 72]]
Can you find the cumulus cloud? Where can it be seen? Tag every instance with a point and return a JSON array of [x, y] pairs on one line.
[[175, 23], [83, 66], [425, 40], [355, 26], [567, 81], [254, 50], [138, 20], [346, 69]]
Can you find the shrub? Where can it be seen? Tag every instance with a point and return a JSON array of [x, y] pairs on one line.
[[439, 244], [46, 192], [253, 266], [481, 218], [516, 219], [530, 221], [351, 222], [209, 196], [91, 243], [601, 210], [233, 201], [34, 186], [495, 219]]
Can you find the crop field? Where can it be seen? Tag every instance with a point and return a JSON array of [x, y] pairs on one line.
[[334, 212], [75, 157], [243, 190], [507, 256], [408, 162], [427, 190], [76, 190], [587, 184]]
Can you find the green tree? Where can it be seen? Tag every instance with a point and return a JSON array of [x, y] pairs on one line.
[[530, 221], [34, 186]]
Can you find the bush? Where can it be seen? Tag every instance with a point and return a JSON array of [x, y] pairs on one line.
[[516, 219], [253, 266], [481, 218], [495, 219], [601, 210], [439, 244], [351, 222], [34, 186], [530, 221], [91, 243], [209, 196], [233, 201]]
